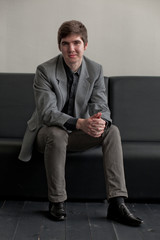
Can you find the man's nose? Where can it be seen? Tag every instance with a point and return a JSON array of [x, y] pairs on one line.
[[71, 47]]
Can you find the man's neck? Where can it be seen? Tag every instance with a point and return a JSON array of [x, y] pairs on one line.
[[69, 71], [74, 67]]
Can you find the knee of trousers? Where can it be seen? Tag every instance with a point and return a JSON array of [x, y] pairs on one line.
[[57, 135], [112, 134], [114, 130]]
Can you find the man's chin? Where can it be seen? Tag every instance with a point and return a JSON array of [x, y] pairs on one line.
[[72, 61]]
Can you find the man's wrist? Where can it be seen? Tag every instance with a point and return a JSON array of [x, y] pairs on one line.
[[79, 123]]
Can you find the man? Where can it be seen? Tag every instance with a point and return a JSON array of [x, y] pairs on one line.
[[72, 114]]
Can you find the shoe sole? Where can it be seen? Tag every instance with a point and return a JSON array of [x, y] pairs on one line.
[[56, 218], [124, 222]]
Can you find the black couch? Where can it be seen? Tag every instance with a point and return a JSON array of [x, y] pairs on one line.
[[134, 103]]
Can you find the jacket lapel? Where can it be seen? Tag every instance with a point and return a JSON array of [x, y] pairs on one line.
[[61, 79], [82, 88]]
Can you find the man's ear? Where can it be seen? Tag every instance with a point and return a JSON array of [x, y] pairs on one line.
[[85, 46]]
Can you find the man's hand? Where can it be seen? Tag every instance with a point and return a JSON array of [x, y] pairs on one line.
[[94, 126]]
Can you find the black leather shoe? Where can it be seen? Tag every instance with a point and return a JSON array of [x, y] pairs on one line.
[[122, 215], [57, 211]]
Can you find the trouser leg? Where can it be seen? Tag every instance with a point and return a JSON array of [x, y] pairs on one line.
[[113, 163], [112, 157], [52, 141]]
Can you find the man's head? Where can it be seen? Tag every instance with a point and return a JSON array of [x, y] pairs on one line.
[[72, 41], [72, 27]]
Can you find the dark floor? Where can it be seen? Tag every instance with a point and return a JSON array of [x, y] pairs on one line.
[[26, 220]]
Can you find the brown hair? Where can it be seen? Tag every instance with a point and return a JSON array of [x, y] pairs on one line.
[[72, 27]]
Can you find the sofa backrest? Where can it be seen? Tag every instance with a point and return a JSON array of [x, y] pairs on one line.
[[134, 104], [16, 103]]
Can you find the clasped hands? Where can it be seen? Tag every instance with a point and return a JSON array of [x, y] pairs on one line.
[[93, 126]]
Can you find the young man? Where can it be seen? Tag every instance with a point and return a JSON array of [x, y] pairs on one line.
[[72, 114]]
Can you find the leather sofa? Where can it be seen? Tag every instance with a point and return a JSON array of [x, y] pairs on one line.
[[134, 103]]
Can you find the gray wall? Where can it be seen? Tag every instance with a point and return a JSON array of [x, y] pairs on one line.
[[124, 35]]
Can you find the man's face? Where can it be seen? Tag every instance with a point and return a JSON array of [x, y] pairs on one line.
[[72, 48]]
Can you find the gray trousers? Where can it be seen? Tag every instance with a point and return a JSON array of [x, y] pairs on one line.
[[55, 141]]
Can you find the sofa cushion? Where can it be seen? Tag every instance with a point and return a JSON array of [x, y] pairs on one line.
[[134, 105]]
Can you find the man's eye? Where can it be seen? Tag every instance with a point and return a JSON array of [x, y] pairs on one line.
[[64, 43], [77, 42]]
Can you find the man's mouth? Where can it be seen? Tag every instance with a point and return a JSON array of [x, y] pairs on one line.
[[72, 55]]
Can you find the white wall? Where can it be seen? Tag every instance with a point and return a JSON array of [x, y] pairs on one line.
[[124, 35]]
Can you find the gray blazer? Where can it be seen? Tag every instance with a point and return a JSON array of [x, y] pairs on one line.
[[50, 90]]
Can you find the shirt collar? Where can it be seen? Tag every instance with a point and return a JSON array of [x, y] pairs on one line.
[[69, 71]]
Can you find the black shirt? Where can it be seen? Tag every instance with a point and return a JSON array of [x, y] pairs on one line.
[[72, 82]]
